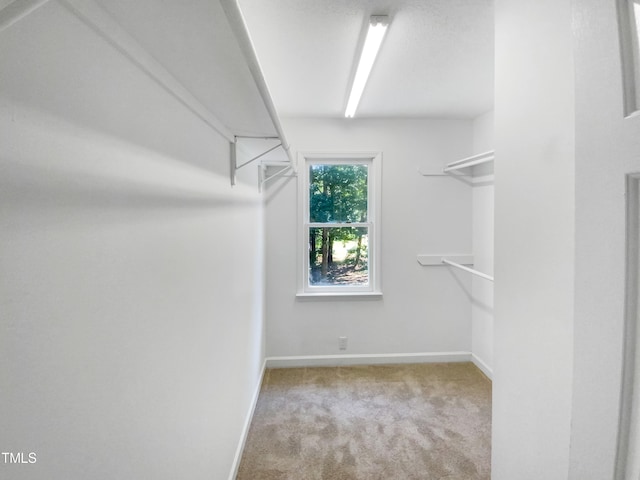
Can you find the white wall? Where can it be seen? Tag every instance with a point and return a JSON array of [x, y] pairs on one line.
[[607, 148], [423, 309], [483, 226], [131, 324], [534, 240]]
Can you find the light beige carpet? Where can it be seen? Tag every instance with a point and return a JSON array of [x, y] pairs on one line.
[[426, 421]]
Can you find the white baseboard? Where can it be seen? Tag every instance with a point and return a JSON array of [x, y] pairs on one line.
[[366, 359], [486, 369], [247, 423]]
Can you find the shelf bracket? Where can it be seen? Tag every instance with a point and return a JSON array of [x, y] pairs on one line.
[[285, 167], [233, 155]]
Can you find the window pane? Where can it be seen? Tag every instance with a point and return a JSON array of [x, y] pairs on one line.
[[339, 256], [338, 193]]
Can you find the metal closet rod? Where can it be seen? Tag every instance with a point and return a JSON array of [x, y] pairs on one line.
[[467, 269], [239, 27]]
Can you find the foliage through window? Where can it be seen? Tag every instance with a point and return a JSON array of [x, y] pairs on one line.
[[338, 224]]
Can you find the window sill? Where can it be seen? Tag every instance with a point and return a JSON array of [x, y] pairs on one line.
[[339, 295]]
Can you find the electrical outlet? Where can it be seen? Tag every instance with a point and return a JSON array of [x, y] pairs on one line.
[[342, 343]]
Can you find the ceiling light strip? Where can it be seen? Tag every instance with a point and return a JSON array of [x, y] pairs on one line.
[[377, 29]]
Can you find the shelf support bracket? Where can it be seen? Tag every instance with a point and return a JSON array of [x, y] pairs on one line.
[[233, 156], [279, 174]]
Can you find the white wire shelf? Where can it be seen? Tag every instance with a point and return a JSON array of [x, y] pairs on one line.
[[470, 161], [456, 261]]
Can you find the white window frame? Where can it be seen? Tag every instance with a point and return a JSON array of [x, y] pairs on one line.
[[374, 196]]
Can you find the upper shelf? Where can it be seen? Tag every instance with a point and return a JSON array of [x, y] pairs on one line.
[[469, 161], [465, 163], [199, 52], [241, 32]]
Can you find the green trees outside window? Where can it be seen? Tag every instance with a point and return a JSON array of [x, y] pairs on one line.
[[338, 229]]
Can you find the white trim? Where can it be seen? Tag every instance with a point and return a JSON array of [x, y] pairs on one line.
[[334, 295], [366, 359], [103, 24], [629, 51], [481, 364], [247, 424], [17, 10], [626, 461]]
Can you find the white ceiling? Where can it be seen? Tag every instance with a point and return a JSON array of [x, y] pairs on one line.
[[436, 61]]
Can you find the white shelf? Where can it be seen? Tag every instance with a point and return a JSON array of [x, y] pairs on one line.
[[249, 112], [469, 161], [456, 261], [432, 260], [465, 163]]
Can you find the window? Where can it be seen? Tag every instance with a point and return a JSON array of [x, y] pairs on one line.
[[340, 226]]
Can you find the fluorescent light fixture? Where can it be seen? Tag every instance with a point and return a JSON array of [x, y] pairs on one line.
[[377, 28]]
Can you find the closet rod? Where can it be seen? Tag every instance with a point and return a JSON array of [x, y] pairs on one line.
[[467, 269]]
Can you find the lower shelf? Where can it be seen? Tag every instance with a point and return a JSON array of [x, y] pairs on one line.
[[428, 260]]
